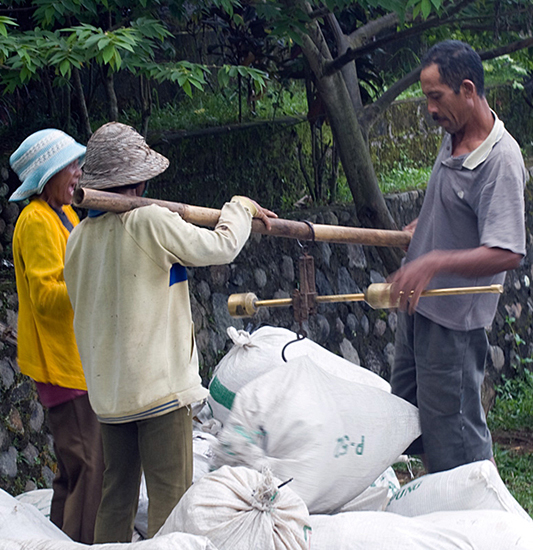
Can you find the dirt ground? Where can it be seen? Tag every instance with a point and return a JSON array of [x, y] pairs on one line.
[[517, 441]]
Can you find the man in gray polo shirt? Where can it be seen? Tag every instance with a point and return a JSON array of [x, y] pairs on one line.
[[470, 232]]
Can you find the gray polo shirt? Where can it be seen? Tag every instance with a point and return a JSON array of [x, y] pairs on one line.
[[472, 200]]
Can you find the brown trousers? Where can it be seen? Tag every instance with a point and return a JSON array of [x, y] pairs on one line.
[[162, 447], [78, 482]]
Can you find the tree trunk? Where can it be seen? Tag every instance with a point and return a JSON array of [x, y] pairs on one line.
[[353, 150], [355, 157], [145, 92], [83, 106], [349, 71], [66, 111], [52, 108], [111, 95]]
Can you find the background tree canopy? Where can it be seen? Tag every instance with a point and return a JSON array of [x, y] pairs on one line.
[[355, 57]]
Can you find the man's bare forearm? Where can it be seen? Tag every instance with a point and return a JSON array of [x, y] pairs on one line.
[[414, 277]]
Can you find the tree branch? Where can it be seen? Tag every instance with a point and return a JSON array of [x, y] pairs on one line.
[[508, 48], [432, 22], [174, 136], [373, 111], [349, 71], [491, 28], [318, 13], [364, 33]]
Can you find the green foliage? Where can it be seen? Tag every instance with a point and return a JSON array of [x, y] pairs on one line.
[[513, 411], [216, 109], [134, 45], [516, 470], [514, 403], [517, 359], [227, 72], [436, 6], [506, 69], [288, 99], [290, 20], [413, 91], [207, 169], [51, 12], [404, 178], [187, 75], [4, 21], [344, 194], [103, 46]]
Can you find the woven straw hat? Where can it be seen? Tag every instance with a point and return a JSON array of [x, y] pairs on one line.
[[39, 157], [118, 155]]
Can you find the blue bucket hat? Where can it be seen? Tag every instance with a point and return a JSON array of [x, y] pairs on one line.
[[41, 156]]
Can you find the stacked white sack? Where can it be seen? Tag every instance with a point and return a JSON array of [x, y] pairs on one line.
[[173, 541], [464, 530], [333, 436], [261, 351], [40, 498], [475, 486], [242, 509], [376, 497], [22, 521]]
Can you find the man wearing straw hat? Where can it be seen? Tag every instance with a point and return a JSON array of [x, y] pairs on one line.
[[48, 165], [127, 280]]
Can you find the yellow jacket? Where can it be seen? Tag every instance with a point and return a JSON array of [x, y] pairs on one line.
[[47, 350]]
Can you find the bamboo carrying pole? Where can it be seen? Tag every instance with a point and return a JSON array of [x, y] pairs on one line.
[[208, 217]]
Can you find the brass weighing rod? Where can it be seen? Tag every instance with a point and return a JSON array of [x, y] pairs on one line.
[[376, 295], [208, 217]]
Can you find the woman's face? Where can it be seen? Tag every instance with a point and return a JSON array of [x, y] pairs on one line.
[[59, 189]]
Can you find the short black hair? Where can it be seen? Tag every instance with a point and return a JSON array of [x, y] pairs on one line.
[[456, 61]]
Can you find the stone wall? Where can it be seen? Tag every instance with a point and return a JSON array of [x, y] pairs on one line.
[[27, 459], [267, 266]]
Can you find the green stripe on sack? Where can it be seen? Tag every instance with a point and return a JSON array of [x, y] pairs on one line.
[[221, 394]]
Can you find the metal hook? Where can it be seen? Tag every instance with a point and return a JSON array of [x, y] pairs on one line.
[[300, 335], [312, 229]]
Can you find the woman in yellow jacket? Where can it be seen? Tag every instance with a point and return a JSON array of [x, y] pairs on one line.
[[48, 165]]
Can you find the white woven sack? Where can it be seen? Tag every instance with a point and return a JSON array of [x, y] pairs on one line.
[[202, 444], [173, 541], [261, 351], [376, 497], [475, 486], [486, 529], [22, 521], [460, 530], [242, 509], [40, 498], [380, 531], [333, 436]]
